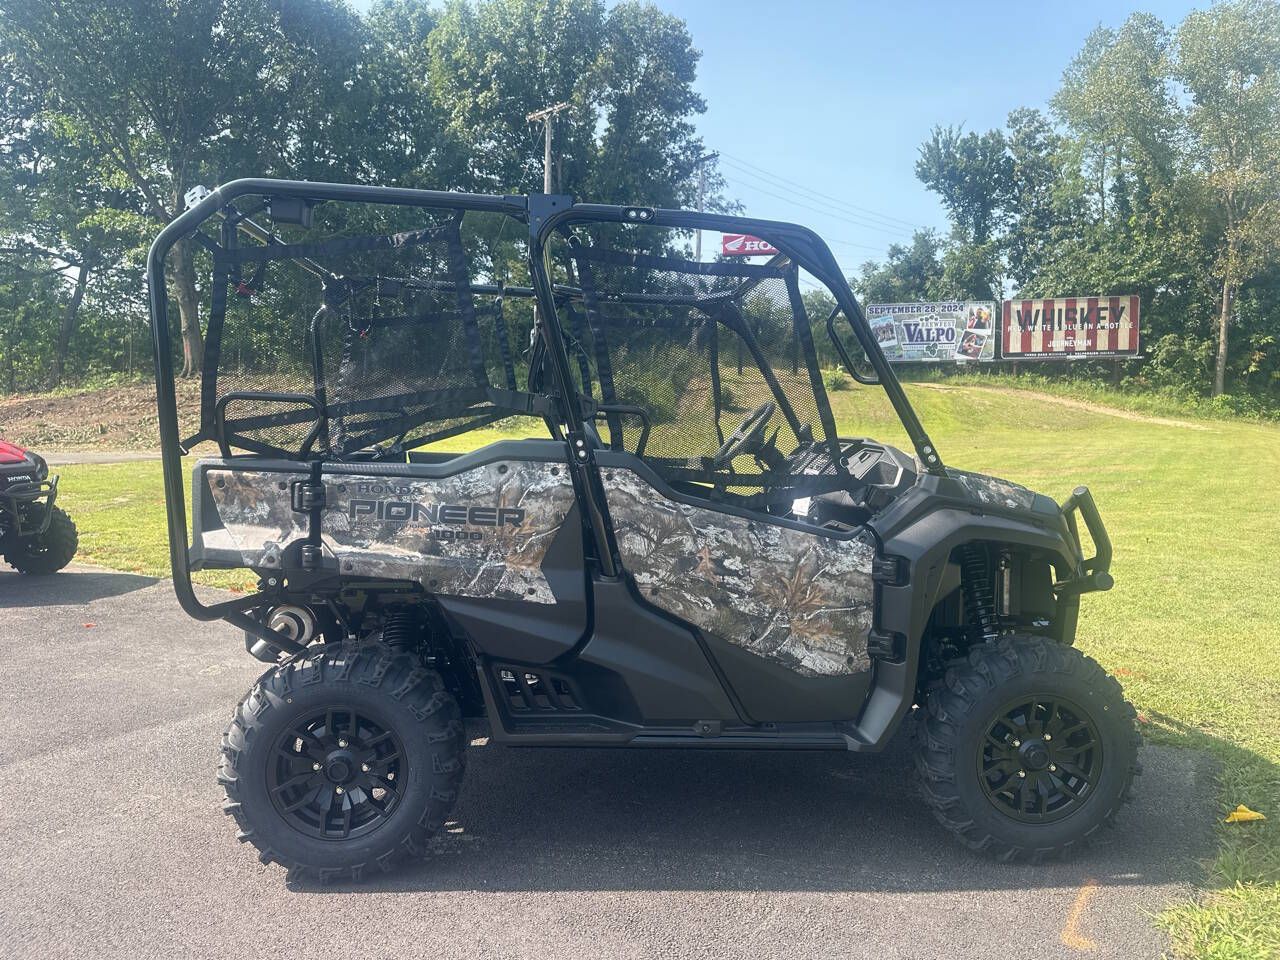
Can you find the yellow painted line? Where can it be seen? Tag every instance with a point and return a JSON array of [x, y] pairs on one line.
[[1071, 935]]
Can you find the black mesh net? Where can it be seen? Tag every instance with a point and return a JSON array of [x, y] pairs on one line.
[[371, 329], [696, 346], [399, 325]]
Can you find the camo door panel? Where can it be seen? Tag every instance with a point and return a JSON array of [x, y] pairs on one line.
[[483, 532], [796, 598]]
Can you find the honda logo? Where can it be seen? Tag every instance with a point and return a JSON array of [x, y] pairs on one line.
[[745, 245]]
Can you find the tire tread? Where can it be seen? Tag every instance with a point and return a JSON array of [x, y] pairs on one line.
[[430, 705], [966, 680], [60, 542]]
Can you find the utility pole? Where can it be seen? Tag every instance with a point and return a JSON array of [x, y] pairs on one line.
[[700, 163], [547, 116]]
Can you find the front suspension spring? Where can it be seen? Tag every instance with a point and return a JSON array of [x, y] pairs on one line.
[[979, 591]]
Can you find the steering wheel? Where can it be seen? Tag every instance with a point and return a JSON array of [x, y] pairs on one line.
[[748, 437]]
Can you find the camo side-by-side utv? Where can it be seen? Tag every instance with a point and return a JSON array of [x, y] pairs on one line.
[[530, 460], [36, 535]]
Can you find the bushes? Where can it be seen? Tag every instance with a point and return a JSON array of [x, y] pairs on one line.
[[835, 379], [1138, 393]]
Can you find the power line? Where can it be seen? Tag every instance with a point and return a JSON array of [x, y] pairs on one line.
[[785, 182], [853, 207], [816, 209], [819, 207], [850, 243]]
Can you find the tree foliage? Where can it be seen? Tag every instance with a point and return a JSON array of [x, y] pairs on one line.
[[1155, 169], [1157, 172], [110, 111]]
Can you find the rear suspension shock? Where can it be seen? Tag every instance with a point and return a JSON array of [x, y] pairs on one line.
[[401, 629], [979, 591]]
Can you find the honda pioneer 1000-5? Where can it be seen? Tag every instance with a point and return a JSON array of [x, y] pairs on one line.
[[656, 533]]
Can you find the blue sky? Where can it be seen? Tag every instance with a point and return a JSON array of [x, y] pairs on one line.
[[837, 97]]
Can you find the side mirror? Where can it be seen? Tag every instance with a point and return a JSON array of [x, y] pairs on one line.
[[861, 369], [858, 365]]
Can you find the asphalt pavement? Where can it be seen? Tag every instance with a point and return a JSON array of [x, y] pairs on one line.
[[62, 458], [114, 844]]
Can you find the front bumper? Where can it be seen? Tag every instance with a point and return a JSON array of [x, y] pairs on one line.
[[1092, 573], [30, 506]]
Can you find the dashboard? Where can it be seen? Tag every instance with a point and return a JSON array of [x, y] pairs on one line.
[[877, 474]]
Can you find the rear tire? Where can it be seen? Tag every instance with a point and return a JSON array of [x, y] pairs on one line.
[[49, 552], [993, 772], [344, 762]]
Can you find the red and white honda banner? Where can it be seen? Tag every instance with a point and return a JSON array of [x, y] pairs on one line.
[[1070, 327], [745, 245]]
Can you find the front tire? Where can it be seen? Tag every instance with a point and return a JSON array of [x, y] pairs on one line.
[[1027, 749], [344, 761], [49, 552]]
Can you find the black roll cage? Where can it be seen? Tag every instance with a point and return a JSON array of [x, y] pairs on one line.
[[545, 216]]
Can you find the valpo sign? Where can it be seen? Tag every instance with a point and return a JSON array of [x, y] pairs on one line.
[[1069, 327]]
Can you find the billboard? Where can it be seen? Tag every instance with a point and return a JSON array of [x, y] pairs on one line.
[[1070, 327], [959, 331], [745, 245]]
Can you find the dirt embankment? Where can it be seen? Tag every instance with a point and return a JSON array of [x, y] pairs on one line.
[[120, 417]]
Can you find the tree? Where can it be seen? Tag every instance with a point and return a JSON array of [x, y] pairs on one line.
[[400, 137], [971, 173], [1116, 98], [648, 149], [491, 64], [57, 213], [110, 111], [627, 75], [1158, 173], [50, 232], [173, 94], [1228, 59], [1035, 179], [908, 273]]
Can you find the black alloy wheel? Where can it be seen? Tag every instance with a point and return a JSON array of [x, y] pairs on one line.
[[1040, 759], [337, 774]]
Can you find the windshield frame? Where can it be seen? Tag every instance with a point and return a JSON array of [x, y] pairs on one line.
[[803, 246]]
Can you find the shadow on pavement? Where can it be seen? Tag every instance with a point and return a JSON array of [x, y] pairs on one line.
[[68, 588], [555, 820]]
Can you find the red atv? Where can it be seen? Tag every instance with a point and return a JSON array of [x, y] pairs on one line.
[[35, 535]]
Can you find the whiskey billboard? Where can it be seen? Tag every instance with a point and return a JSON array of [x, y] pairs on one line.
[[1069, 327]]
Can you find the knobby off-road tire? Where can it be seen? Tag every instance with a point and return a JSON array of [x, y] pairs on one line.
[[1012, 692], [371, 719], [49, 552]]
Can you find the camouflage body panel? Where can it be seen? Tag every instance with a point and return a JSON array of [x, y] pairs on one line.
[[257, 515], [993, 490], [481, 533], [796, 598]]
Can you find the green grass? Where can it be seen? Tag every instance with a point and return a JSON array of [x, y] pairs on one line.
[[1190, 627], [119, 510], [1131, 394]]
